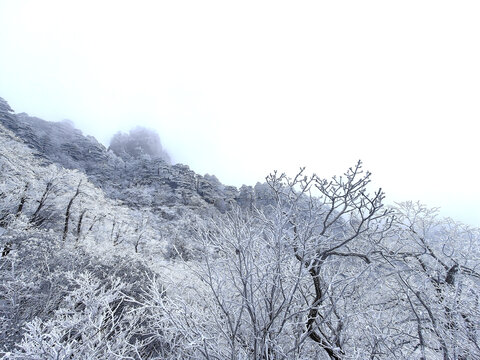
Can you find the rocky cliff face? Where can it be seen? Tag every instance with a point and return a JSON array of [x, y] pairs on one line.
[[4, 107], [138, 182]]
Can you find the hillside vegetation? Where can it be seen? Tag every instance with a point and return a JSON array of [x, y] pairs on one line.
[[117, 254]]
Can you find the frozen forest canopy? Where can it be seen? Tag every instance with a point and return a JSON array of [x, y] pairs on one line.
[[121, 255]]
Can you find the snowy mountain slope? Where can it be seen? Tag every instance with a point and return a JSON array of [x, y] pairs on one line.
[[105, 257]]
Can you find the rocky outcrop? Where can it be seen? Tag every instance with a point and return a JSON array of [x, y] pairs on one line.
[[4, 107]]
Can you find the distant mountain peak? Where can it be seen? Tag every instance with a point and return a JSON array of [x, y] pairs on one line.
[[139, 142]]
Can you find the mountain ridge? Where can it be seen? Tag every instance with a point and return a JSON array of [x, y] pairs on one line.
[[63, 144]]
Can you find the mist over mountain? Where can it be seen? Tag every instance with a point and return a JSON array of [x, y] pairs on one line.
[[139, 142], [118, 254]]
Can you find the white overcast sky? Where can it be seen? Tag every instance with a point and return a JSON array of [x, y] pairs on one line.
[[240, 88]]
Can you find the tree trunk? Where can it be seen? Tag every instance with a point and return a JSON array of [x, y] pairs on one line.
[[22, 201], [67, 212]]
